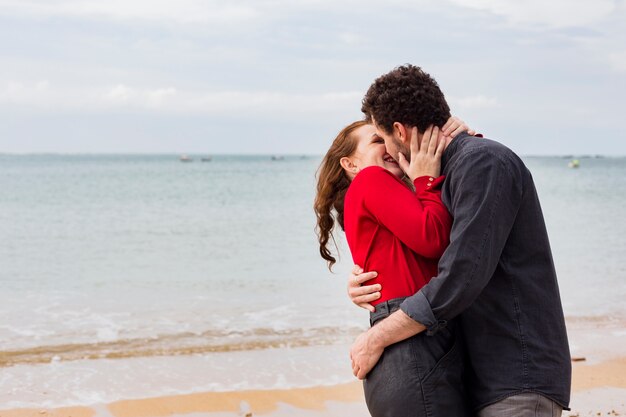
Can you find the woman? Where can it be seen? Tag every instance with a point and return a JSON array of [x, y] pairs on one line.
[[399, 229]]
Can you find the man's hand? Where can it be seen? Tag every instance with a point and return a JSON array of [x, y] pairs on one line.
[[359, 294], [365, 353], [369, 346]]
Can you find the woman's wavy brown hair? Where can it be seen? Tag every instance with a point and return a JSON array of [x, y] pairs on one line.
[[332, 184]]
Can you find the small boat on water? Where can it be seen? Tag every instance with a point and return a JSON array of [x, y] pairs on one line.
[[206, 159], [574, 163], [277, 157], [185, 158]]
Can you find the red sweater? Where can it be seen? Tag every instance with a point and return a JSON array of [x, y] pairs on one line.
[[397, 232]]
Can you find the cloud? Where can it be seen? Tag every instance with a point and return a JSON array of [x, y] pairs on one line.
[[198, 11], [178, 101], [474, 102], [267, 103], [618, 61], [160, 95], [171, 100], [551, 14], [350, 38], [184, 11], [263, 61], [124, 95], [16, 92], [119, 93]]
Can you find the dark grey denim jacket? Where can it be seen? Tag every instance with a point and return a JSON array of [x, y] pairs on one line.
[[498, 277]]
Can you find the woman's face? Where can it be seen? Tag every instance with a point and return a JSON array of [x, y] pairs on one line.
[[371, 151]]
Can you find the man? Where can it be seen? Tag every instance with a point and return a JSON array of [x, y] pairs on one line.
[[497, 275]]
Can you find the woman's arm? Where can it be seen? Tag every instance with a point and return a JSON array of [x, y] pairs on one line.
[[454, 126], [363, 295], [419, 220]]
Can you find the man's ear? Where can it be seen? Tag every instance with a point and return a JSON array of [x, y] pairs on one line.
[[402, 133]]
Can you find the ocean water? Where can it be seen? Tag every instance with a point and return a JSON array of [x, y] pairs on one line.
[[137, 275]]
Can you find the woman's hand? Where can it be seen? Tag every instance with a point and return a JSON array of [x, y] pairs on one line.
[[454, 126], [362, 295], [425, 158]]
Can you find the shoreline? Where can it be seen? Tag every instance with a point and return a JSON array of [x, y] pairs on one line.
[[598, 388]]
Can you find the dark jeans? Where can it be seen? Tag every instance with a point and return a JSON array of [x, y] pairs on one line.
[[528, 404], [420, 376]]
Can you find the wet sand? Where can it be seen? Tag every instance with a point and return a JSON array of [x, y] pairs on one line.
[[315, 401], [599, 389]]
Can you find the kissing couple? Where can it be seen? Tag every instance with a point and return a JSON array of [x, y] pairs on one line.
[[452, 259]]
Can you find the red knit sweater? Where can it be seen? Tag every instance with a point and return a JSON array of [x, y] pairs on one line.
[[397, 232]]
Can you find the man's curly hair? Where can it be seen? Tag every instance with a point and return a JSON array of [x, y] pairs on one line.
[[407, 95]]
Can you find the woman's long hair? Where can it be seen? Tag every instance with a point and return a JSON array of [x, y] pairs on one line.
[[332, 184]]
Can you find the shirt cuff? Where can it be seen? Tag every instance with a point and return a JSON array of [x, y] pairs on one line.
[[427, 183], [418, 308]]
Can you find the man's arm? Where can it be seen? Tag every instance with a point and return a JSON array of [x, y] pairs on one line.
[[486, 194], [369, 346]]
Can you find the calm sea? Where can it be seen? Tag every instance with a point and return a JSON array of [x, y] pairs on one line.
[[128, 276]]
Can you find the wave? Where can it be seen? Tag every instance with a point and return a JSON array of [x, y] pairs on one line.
[[180, 344]]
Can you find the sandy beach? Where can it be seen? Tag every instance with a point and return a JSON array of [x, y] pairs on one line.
[[599, 389]]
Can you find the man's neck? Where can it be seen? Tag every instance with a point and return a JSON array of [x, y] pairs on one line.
[[451, 145]]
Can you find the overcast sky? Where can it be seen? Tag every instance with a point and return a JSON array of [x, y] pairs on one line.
[[277, 76]]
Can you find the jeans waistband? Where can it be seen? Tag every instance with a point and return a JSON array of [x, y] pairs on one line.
[[384, 309]]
